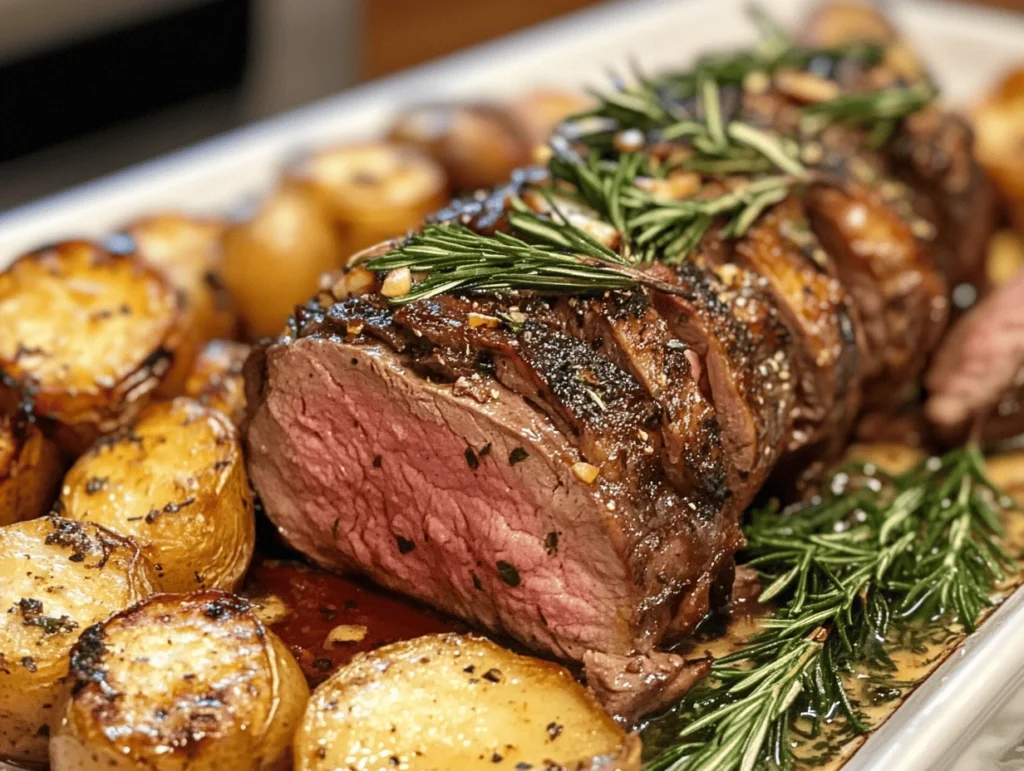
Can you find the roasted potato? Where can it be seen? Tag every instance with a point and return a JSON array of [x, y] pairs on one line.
[[188, 251], [999, 141], [175, 481], [180, 683], [453, 701], [890, 457], [30, 470], [86, 336], [57, 577], [478, 145], [539, 112], [273, 260], [216, 378], [373, 191], [1005, 257]]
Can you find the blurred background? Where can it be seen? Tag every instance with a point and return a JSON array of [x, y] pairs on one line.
[[90, 86]]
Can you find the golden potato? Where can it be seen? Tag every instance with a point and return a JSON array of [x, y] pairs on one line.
[[455, 701], [86, 336], [273, 261], [478, 145], [841, 22], [216, 379], [1005, 257], [999, 140], [373, 191], [180, 683], [539, 112], [57, 577], [30, 470], [175, 481], [890, 457], [188, 251]]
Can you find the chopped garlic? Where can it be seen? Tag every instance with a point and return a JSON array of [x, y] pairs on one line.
[[483, 320], [397, 283], [585, 472], [345, 633]]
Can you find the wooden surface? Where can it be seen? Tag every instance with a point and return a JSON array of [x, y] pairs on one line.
[[402, 33]]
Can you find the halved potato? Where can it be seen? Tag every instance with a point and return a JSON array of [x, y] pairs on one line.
[[273, 260], [175, 481], [216, 379], [373, 191], [180, 683], [188, 251], [999, 140], [457, 701], [478, 145], [86, 336], [57, 577], [30, 470]]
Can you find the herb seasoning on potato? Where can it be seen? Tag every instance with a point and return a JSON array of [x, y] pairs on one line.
[[455, 701], [57, 577], [176, 483], [180, 682], [86, 336]]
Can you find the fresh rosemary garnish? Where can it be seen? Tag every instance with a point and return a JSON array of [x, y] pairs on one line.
[[841, 570], [548, 252], [454, 258], [551, 254]]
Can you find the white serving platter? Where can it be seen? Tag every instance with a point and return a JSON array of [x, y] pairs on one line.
[[966, 48]]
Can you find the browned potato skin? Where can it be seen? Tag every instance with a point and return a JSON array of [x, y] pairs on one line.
[[273, 261], [174, 481], [373, 191], [999, 141], [86, 337], [180, 683], [57, 577], [457, 701], [31, 468], [216, 379], [188, 251], [478, 145]]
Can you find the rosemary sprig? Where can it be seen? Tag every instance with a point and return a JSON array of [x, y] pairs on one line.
[[667, 108], [448, 257], [841, 568]]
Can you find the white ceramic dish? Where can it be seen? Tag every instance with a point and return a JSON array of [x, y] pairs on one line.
[[966, 47]]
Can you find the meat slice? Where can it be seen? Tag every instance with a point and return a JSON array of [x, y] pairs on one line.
[[726, 316], [978, 370], [470, 504], [900, 295], [933, 152], [625, 327], [818, 312]]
